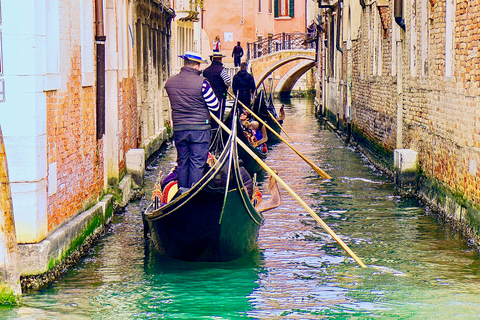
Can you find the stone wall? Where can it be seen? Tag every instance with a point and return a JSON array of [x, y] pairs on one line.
[[420, 95]]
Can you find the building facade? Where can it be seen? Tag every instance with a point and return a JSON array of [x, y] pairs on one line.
[[402, 75], [82, 86], [249, 21]]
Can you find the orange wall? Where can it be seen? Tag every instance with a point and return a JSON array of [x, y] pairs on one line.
[[226, 16]]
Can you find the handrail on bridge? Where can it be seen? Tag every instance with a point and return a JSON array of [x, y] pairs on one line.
[[279, 42]]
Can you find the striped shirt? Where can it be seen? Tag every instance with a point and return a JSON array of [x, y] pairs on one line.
[[226, 78], [209, 96]]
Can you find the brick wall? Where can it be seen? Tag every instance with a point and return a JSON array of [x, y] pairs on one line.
[[440, 115], [72, 145], [128, 124]]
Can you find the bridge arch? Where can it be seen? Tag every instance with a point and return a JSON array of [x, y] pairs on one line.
[[288, 80]]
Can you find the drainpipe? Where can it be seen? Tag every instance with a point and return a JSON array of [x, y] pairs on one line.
[[398, 13], [100, 45], [9, 274], [339, 16], [399, 135], [349, 71]]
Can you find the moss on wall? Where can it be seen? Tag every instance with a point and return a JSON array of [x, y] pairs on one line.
[[8, 296]]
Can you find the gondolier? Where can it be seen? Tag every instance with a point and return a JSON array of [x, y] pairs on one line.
[[220, 81], [191, 98], [243, 85]]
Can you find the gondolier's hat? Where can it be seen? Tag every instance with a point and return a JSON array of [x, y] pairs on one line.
[[217, 55], [189, 55]]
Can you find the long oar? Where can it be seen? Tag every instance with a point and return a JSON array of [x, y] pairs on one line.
[[278, 124], [322, 173], [293, 194]]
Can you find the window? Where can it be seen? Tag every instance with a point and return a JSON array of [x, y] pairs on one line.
[[259, 5], [270, 6], [284, 8]]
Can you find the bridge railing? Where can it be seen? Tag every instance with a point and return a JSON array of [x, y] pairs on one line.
[[279, 42]]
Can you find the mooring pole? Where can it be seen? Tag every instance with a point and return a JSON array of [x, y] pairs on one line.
[[10, 289]]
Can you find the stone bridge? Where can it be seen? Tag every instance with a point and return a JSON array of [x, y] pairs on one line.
[[281, 59], [281, 70]]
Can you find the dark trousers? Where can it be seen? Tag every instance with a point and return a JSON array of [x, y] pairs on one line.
[[192, 152], [237, 60]]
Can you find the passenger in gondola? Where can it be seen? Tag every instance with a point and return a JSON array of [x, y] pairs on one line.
[[260, 136], [243, 84], [281, 117], [191, 99]]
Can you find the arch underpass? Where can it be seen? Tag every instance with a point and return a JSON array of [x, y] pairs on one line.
[[284, 68]]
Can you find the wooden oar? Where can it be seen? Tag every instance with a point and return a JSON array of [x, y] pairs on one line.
[[278, 124], [322, 173], [293, 194]]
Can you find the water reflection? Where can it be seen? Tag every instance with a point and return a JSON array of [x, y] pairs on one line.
[[418, 267]]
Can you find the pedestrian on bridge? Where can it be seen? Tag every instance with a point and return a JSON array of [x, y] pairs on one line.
[[244, 85], [237, 54], [220, 81], [191, 99], [217, 45]]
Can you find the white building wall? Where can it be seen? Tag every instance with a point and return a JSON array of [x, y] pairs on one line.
[[23, 114]]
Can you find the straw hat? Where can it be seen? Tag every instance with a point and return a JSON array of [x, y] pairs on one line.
[[217, 55], [189, 55]]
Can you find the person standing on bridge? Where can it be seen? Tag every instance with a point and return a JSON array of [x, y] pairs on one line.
[[220, 81], [191, 99], [217, 45], [244, 85], [237, 54]]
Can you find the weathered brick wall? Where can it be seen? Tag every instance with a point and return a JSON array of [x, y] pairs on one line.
[[127, 119], [441, 115], [374, 96], [72, 145]]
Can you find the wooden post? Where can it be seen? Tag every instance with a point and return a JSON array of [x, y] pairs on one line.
[[10, 289]]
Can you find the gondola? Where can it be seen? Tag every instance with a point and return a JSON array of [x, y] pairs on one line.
[[265, 109], [249, 163], [206, 223]]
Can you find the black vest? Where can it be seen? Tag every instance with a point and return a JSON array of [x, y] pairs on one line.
[[189, 111], [212, 73]]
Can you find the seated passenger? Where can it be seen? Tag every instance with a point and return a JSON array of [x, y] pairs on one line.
[[260, 136]]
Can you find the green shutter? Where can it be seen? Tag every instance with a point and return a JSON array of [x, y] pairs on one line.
[[292, 8], [275, 8]]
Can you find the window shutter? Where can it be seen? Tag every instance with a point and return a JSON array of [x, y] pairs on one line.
[[275, 8], [292, 8]]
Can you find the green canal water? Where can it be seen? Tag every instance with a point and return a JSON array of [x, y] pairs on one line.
[[418, 268]]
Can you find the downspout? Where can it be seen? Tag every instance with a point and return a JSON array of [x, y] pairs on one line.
[[100, 45], [348, 109], [398, 13], [339, 16]]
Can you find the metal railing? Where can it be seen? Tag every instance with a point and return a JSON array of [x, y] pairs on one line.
[[279, 42]]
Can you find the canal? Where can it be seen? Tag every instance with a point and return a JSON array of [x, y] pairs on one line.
[[418, 267]]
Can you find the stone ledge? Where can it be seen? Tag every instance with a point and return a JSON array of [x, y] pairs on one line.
[[152, 144], [38, 258]]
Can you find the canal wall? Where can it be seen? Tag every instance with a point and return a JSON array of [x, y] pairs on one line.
[[409, 83]]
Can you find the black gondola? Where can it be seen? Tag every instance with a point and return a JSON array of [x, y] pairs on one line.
[[249, 163], [265, 109], [206, 223]]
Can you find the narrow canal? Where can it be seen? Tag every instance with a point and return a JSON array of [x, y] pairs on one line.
[[418, 267]]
